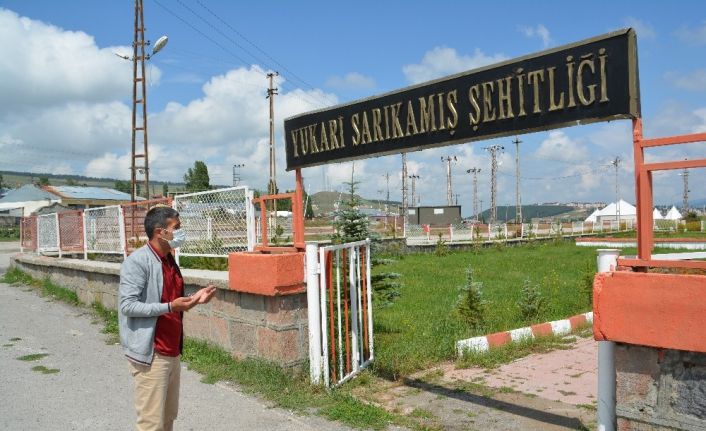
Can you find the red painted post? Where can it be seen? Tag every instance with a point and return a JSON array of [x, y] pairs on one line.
[[298, 211]]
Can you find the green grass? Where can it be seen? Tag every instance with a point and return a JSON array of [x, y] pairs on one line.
[[292, 392], [46, 287], [33, 357], [44, 370], [633, 234], [420, 328]]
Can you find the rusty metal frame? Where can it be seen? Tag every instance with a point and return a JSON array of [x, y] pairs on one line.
[[297, 198], [644, 193]]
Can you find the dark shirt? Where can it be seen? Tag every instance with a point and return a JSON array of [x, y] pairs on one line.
[[168, 338]]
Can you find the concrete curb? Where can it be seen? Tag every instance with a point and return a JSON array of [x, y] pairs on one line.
[[557, 327]]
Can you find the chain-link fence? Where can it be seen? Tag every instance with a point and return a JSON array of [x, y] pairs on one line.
[[48, 233], [134, 221], [104, 230], [71, 231], [28, 233], [216, 222]]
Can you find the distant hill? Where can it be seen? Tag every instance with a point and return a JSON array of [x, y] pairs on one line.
[[325, 202], [507, 213]]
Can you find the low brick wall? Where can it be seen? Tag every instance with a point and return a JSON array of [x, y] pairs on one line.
[[659, 389], [273, 328]]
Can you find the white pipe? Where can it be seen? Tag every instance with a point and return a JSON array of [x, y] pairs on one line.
[[313, 310], [607, 262]]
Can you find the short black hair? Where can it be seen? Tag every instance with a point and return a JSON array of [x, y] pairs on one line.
[[157, 218]]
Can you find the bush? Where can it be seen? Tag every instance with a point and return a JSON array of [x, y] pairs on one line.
[[470, 305], [9, 233], [441, 248], [531, 302]]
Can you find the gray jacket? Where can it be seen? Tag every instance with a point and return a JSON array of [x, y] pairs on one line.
[[139, 303]]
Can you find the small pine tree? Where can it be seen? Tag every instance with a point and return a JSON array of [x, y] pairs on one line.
[[470, 305], [531, 302]]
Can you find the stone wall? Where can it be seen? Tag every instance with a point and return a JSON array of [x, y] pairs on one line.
[[659, 389], [273, 328]]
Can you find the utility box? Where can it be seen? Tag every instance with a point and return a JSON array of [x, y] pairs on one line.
[[435, 216]]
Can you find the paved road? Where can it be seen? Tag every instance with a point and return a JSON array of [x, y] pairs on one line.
[[92, 390]]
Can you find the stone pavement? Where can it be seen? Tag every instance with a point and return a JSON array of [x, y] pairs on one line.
[[568, 376]]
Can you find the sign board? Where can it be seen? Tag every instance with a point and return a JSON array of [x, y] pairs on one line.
[[592, 80]]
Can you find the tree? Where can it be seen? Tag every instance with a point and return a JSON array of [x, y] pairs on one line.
[[196, 178], [470, 305], [165, 189], [2, 182], [44, 181], [71, 182], [122, 186]]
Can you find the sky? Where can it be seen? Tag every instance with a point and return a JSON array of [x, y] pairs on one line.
[[67, 97]]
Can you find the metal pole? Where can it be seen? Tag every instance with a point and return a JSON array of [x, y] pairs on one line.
[[606, 262], [518, 210], [314, 311]]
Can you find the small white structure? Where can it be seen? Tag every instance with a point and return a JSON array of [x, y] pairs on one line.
[[657, 215], [673, 214], [622, 210], [593, 218]]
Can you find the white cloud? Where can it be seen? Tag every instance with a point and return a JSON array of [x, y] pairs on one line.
[[441, 61], [694, 81], [643, 29], [352, 80], [539, 31], [45, 65], [693, 35], [558, 146]]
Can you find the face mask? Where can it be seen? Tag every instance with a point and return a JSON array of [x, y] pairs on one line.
[[178, 238]]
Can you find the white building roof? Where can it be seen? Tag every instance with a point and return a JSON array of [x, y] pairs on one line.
[[593, 217], [657, 215], [623, 208]]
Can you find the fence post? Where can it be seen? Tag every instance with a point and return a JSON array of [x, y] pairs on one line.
[[451, 233], [505, 227], [251, 224], [209, 228], [85, 237], [22, 234], [58, 232], [121, 226], [314, 311], [606, 262]]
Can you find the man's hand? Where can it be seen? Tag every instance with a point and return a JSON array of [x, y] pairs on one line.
[[185, 303], [204, 295]]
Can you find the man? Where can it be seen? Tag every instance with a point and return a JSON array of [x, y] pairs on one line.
[[152, 304]]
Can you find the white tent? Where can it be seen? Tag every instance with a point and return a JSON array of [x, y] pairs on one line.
[[656, 215], [622, 209], [593, 217], [673, 214]]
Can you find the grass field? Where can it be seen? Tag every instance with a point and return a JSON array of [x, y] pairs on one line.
[[420, 328]]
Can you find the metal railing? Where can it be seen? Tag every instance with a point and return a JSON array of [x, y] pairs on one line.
[[28, 234], [104, 230], [339, 300], [48, 234]]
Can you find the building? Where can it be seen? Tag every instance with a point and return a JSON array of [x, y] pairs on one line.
[[612, 212], [434, 216], [26, 200], [29, 199], [673, 214]]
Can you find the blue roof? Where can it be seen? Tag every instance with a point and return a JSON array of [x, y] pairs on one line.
[[28, 193], [93, 193]]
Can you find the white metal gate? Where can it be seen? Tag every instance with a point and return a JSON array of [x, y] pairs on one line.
[[48, 233], [339, 296]]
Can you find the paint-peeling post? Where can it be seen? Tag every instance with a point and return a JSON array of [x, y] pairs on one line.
[[607, 261], [85, 238], [313, 310], [58, 232]]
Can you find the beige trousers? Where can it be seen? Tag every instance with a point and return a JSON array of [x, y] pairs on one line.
[[156, 392]]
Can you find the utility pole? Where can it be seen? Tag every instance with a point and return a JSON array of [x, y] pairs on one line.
[[518, 198], [271, 92], [616, 162], [414, 183], [404, 195], [236, 173], [475, 172], [494, 150], [685, 196], [457, 195], [449, 191], [387, 198], [139, 97]]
